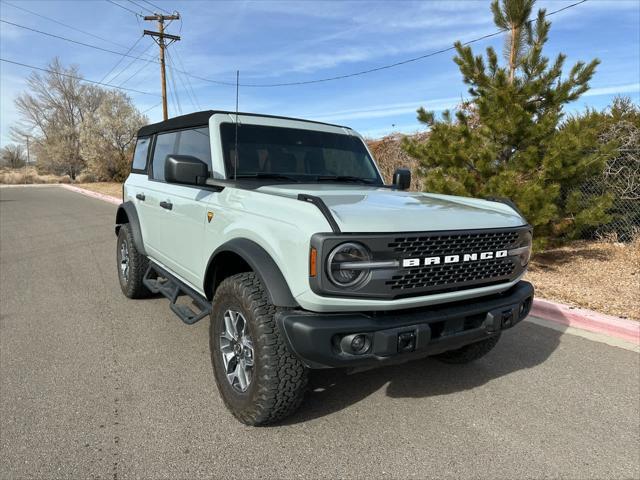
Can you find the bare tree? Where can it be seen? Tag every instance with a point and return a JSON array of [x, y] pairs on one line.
[[12, 156], [108, 136], [53, 111]]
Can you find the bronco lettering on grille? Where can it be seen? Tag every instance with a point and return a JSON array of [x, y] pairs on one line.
[[445, 259]]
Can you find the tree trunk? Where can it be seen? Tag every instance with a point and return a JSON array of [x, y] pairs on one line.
[[512, 54]]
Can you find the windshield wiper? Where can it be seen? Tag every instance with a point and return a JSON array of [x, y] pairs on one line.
[[274, 176], [343, 178]]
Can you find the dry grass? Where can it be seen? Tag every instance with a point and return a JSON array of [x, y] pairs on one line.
[[602, 276], [29, 175], [389, 155], [108, 188]]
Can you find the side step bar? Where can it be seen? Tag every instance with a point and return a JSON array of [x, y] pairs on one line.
[[158, 280]]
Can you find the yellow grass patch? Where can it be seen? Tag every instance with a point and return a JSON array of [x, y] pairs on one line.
[[602, 276]]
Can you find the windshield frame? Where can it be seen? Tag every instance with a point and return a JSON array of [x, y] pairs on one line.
[[376, 181]]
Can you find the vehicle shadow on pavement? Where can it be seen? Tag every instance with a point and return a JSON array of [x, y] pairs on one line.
[[525, 346]]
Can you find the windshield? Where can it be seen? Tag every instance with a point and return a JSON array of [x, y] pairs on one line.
[[296, 155]]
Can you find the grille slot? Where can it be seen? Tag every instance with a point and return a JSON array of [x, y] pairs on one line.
[[442, 277], [449, 275], [431, 246]]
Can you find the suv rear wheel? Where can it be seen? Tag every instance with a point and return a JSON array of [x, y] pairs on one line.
[[132, 265], [470, 352], [259, 380]]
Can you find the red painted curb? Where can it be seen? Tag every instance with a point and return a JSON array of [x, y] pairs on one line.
[[89, 193], [627, 330]]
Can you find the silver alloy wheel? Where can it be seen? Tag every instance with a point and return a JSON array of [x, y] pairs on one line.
[[236, 348], [124, 260]]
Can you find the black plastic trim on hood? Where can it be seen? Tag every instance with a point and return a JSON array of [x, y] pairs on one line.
[[318, 202]]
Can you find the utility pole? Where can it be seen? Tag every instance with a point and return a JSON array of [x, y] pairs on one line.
[[159, 38]]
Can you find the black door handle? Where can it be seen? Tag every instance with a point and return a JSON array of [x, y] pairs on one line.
[[140, 196], [166, 205]]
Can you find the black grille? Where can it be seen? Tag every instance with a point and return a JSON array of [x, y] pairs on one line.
[[432, 246], [435, 276], [444, 277]]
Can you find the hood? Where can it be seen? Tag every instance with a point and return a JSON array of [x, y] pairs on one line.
[[359, 209]]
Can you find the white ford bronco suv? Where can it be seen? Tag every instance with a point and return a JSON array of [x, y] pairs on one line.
[[283, 232]]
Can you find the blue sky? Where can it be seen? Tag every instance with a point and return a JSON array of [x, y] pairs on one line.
[[285, 41]]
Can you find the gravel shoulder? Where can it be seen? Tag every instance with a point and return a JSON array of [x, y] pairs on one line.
[[108, 188], [601, 276]]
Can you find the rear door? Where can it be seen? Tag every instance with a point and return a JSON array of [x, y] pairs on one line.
[[137, 182], [179, 212]]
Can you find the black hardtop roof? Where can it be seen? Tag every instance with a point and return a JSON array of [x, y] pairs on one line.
[[198, 119]]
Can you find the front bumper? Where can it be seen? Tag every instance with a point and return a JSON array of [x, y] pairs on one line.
[[322, 340]]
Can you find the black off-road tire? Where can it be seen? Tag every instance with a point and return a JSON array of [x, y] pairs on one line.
[[470, 352], [279, 379], [132, 285]]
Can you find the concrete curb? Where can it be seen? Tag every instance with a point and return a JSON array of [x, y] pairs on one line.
[[627, 330], [89, 193]]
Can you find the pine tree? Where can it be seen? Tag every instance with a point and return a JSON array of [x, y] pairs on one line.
[[506, 140]]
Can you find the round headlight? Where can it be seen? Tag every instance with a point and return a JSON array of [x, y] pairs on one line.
[[338, 262], [525, 250]]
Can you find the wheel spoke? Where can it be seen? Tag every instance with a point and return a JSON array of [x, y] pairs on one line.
[[237, 351], [247, 348], [230, 324], [242, 375]]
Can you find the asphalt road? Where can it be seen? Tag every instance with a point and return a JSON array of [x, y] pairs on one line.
[[95, 385]]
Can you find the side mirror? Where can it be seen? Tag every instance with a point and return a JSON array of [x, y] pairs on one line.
[[402, 178], [185, 169]]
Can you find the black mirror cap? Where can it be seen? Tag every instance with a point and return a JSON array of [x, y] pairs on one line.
[[185, 169], [402, 178]]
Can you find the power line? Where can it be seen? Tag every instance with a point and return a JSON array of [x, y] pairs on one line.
[[156, 7], [175, 97], [135, 73], [305, 82], [143, 54], [68, 39], [77, 42], [77, 78], [63, 24], [181, 81], [140, 6], [402, 62], [151, 108], [184, 80], [124, 8], [121, 59]]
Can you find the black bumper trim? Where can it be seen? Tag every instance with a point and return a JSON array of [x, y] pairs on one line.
[[315, 337]]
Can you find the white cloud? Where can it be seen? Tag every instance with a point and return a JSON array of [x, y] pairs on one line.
[[614, 89], [388, 110]]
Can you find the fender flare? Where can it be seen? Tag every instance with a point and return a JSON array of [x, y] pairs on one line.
[[262, 264], [127, 214]]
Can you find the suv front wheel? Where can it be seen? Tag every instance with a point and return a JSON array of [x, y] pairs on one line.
[[259, 379], [132, 265]]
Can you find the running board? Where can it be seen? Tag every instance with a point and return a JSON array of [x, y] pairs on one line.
[[172, 288]]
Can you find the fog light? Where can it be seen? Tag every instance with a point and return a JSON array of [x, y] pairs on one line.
[[358, 343], [355, 344]]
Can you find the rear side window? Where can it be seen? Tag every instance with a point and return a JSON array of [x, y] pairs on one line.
[[166, 144], [194, 142], [140, 154]]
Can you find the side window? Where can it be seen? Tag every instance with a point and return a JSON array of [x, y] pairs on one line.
[[166, 144], [140, 154], [196, 143]]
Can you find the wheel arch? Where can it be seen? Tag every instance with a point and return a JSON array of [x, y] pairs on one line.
[[242, 255], [127, 213]]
